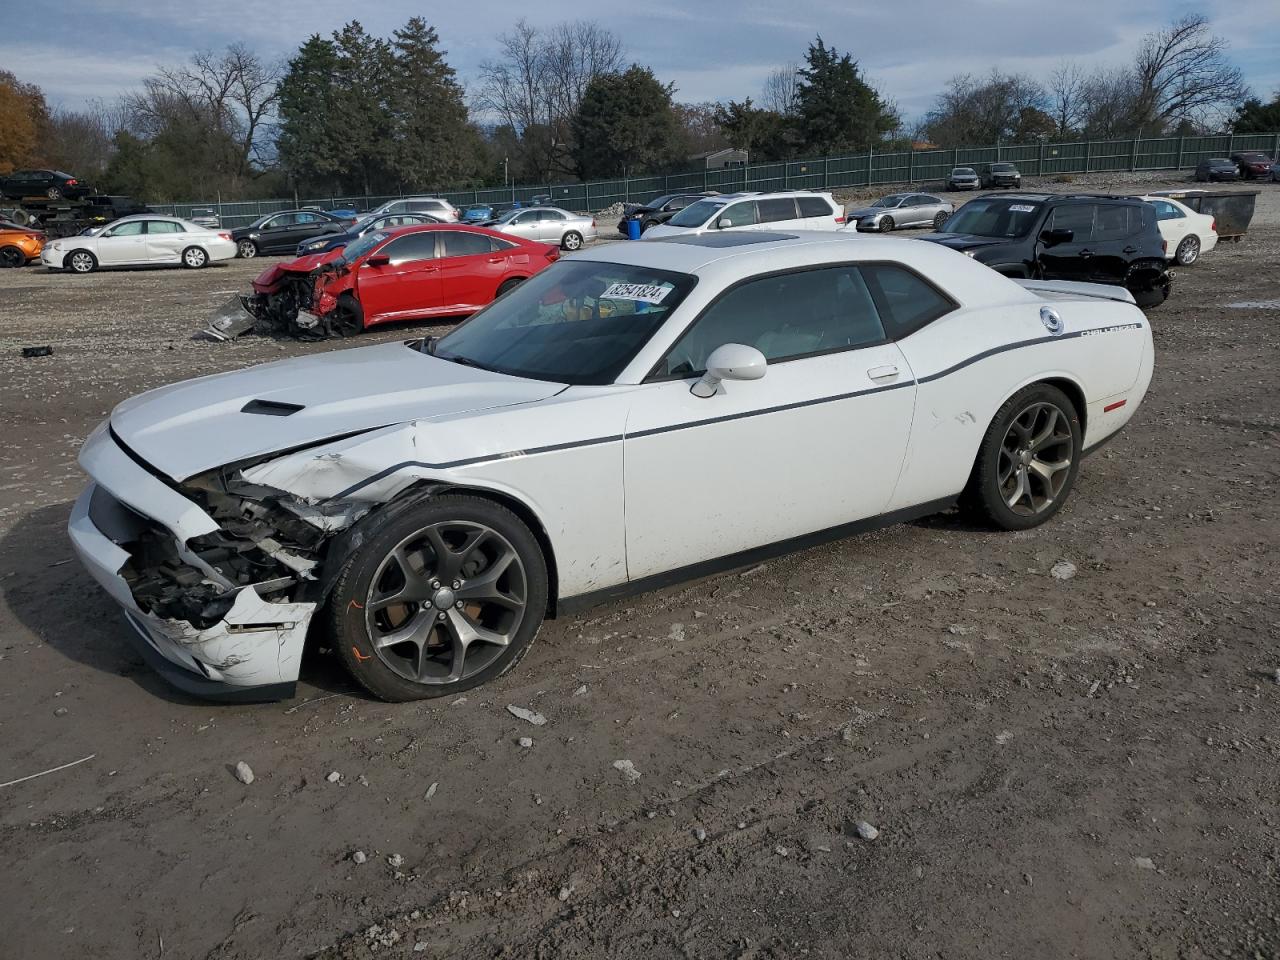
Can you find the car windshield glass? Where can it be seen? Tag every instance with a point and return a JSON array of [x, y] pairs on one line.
[[994, 218], [962, 172], [696, 214], [358, 248], [888, 201], [577, 322], [1002, 168], [661, 201]]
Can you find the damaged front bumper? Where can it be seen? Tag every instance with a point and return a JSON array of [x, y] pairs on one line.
[[251, 651], [229, 320]]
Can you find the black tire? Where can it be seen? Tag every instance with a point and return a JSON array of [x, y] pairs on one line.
[[53, 193], [1004, 466], [348, 316], [886, 224], [940, 218], [11, 256], [80, 261], [647, 224], [1188, 251], [354, 614], [508, 285], [247, 250], [195, 258], [1149, 299], [572, 240]]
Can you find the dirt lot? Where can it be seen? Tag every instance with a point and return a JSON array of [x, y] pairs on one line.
[[1085, 767]]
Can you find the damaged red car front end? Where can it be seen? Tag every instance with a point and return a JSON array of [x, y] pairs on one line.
[[298, 298]]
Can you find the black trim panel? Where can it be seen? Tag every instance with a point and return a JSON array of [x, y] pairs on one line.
[[706, 568]]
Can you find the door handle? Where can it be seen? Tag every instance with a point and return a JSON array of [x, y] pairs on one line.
[[1085, 254], [887, 372], [495, 259], [1130, 250]]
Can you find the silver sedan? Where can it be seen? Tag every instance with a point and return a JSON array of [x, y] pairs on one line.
[[548, 224], [900, 210]]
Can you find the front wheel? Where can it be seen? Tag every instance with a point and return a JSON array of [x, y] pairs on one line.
[[508, 285], [571, 241], [886, 224], [940, 219], [246, 249], [82, 261], [1188, 251], [1028, 460], [53, 193], [194, 258], [445, 596]]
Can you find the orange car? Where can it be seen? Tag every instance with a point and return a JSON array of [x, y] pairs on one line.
[[19, 245]]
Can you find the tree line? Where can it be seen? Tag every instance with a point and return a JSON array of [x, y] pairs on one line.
[[352, 113]]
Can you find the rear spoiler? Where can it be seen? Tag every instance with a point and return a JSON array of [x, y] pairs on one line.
[[1073, 288]]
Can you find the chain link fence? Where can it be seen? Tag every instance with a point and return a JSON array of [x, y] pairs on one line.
[[822, 173]]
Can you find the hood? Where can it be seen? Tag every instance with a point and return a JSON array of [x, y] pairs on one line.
[[861, 212], [965, 241], [197, 425], [963, 176], [269, 278]]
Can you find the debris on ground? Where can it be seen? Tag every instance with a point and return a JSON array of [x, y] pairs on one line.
[[521, 713], [700, 834], [1144, 863], [526, 742], [581, 691], [865, 831], [243, 773], [333, 776], [395, 861], [43, 351], [564, 894], [628, 770], [1063, 570], [431, 790], [359, 856]]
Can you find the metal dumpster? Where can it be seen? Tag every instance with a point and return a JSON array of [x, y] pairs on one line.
[[1232, 209]]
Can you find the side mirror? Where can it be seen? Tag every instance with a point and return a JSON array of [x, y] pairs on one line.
[[730, 361], [724, 222], [1051, 238], [378, 260]]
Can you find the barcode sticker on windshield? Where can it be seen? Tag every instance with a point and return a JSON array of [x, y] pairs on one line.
[[643, 292], [1021, 208]]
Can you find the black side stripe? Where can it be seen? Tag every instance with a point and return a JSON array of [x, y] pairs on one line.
[[551, 448]]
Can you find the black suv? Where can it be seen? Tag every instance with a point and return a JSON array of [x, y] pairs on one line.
[[1001, 175], [658, 210], [1111, 240]]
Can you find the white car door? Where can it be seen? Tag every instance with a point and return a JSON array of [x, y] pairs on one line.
[[736, 216], [1173, 224], [165, 241], [815, 444], [121, 244]]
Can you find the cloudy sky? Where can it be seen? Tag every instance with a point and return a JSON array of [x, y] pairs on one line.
[[711, 49]]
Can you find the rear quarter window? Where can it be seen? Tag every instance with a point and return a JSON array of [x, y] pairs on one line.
[[906, 301], [814, 207], [776, 209]]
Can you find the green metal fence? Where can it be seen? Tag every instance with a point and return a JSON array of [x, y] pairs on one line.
[[822, 173]]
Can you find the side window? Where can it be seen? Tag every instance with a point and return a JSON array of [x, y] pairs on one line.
[[530, 217], [775, 209], [497, 246], [423, 206], [1076, 217], [738, 215], [1167, 211], [679, 203], [459, 244], [814, 207], [1115, 222], [905, 301], [550, 215], [415, 246], [785, 317], [284, 220], [311, 218], [131, 229], [164, 226]]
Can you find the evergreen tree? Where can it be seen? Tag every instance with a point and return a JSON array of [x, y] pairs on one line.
[[306, 145], [625, 123], [836, 110], [1254, 116]]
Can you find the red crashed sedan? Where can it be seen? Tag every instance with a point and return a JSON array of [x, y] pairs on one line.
[[405, 273]]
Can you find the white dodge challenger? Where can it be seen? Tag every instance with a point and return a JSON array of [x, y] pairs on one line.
[[631, 416]]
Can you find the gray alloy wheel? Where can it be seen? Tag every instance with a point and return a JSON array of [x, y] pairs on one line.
[[12, 257], [940, 219], [1034, 463], [446, 602], [246, 249], [1188, 251], [571, 241], [82, 261], [886, 224], [194, 257]]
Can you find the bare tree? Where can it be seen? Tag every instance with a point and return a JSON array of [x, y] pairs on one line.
[[1107, 100], [780, 89], [1182, 73], [81, 140], [1066, 97], [981, 110], [537, 83]]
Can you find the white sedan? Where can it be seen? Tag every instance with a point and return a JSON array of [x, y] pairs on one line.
[[1186, 234], [143, 240], [629, 417]]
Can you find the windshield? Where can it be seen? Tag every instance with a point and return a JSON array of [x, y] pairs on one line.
[[888, 201], [993, 218], [696, 214], [577, 322], [358, 248], [962, 172], [1002, 167], [661, 201]]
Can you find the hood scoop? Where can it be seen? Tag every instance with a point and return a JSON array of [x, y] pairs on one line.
[[272, 408]]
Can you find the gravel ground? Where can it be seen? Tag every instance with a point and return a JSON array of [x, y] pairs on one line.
[[917, 743]]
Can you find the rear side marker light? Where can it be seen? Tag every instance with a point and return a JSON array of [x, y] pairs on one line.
[[1213, 226], [1114, 406]]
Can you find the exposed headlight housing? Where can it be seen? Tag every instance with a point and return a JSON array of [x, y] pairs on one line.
[[970, 253]]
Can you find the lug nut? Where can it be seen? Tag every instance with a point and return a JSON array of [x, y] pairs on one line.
[[440, 617], [457, 584], [435, 584], [458, 604]]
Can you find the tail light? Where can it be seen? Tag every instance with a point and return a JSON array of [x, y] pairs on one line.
[[72, 181], [1213, 226], [593, 223], [839, 218], [224, 234]]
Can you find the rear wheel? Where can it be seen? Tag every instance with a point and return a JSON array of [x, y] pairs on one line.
[[508, 285], [571, 241], [1188, 251], [12, 257], [194, 258], [81, 261], [1028, 460], [647, 224], [886, 224], [246, 249], [446, 596]]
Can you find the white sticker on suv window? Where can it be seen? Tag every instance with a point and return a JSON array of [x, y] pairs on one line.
[[1022, 208], [643, 292]]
